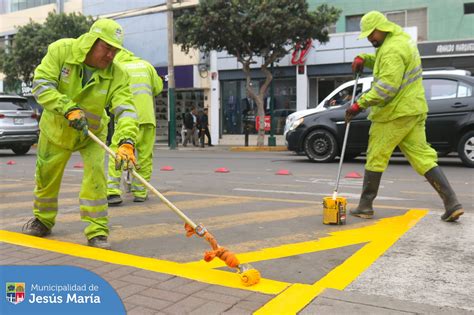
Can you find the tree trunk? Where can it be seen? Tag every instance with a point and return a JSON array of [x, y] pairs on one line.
[[258, 98]]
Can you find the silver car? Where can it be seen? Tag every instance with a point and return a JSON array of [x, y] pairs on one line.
[[18, 124]]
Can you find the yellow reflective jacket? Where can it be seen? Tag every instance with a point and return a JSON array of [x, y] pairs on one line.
[[397, 89], [144, 83], [57, 86]]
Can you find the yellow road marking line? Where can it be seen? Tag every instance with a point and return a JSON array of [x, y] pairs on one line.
[[17, 185], [255, 245], [383, 235], [430, 193], [313, 202], [125, 211], [212, 224], [30, 192], [262, 184], [219, 277], [29, 204]]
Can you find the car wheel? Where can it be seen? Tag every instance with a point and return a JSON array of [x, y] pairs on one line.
[[21, 149], [320, 146], [466, 149]]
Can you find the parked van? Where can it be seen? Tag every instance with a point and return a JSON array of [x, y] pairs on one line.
[[343, 93]]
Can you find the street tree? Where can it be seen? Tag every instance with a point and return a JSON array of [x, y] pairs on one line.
[[20, 57], [249, 29]]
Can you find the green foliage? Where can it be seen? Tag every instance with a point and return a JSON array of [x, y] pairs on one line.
[[253, 28], [30, 44], [246, 28]]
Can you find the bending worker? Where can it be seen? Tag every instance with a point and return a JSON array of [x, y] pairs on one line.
[[145, 85], [74, 83], [398, 113]]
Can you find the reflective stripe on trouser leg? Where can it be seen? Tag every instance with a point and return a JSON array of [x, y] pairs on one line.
[[145, 146], [417, 150], [50, 163], [93, 196], [384, 137], [114, 176]]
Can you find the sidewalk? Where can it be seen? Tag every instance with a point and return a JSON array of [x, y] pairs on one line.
[[232, 143], [148, 292]]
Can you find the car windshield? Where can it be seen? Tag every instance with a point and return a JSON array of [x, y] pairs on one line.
[[14, 104]]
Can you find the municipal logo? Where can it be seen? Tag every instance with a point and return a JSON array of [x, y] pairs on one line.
[[118, 33], [65, 72], [15, 292]]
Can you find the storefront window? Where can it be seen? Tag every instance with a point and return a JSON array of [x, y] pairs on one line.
[[184, 101], [239, 109]]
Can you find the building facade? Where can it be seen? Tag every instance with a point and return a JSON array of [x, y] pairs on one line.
[[444, 31]]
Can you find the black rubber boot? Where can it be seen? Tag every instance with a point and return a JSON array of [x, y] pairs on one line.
[[99, 242], [114, 200], [35, 227], [437, 179], [370, 187]]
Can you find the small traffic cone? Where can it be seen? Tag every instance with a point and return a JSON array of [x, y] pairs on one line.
[[353, 175], [283, 172], [79, 165], [222, 170], [167, 168]]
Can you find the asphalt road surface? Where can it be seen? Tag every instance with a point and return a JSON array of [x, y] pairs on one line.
[[250, 208]]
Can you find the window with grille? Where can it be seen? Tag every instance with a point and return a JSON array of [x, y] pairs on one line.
[[404, 18], [17, 5], [469, 8]]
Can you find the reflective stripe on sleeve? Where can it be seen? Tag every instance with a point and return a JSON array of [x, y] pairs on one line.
[[143, 92], [139, 85]]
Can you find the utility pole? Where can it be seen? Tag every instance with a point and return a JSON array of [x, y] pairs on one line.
[[171, 85], [272, 139]]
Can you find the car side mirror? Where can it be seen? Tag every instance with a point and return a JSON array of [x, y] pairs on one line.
[[326, 104]]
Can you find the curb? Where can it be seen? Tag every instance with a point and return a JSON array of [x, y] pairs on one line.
[[255, 149]]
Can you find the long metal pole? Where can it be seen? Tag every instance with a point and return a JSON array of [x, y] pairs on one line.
[[145, 183], [171, 84], [344, 143]]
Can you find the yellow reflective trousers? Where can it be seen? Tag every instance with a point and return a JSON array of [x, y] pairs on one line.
[[408, 133], [50, 163]]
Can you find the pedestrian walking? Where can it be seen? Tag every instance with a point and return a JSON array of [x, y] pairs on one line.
[[190, 123], [398, 113], [145, 84], [74, 83], [204, 128]]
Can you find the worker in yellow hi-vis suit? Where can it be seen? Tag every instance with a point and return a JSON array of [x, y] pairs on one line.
[[74, 83], [145, 85], [398, 113]]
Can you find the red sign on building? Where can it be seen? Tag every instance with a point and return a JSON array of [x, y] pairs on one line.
[[267, 123]]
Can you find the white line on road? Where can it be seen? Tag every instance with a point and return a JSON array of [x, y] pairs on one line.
[[289, 192]]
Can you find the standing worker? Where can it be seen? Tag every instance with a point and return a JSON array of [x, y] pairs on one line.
[[145, 85], [74, 83], [398, 113]]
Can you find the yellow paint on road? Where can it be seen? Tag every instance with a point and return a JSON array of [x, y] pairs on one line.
[[382, 234], [224, 278]]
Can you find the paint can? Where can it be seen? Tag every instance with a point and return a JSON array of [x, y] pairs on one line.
[[334, 210]]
